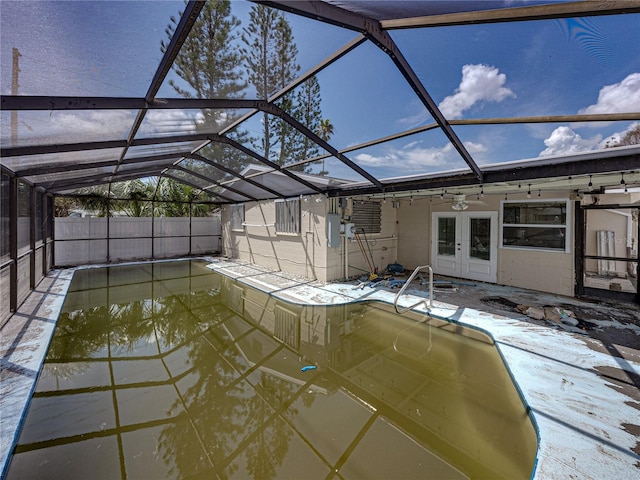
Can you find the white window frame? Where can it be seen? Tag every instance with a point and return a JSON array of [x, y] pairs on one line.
[[566, 225], [233, 215], [290, 225]]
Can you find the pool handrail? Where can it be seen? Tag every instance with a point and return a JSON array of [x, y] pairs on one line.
[[406, 284]]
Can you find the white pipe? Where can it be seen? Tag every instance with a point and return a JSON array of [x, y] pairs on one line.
[[346, 258]]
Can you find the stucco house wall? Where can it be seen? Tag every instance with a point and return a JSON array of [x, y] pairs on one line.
[[414, 233], [546, 271], [382, 248], [303, 254], [307, 254], [405, 237]]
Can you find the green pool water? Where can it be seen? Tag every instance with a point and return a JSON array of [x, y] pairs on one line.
[[169, 370]]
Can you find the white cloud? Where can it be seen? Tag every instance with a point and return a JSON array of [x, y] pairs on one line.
[[619, 97], [170, 121], [616, 98], [479, 83], [415, 119], [563, 141], [68, 126], [475, 148], [413, 158]]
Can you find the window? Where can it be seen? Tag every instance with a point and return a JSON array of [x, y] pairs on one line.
[[366, 216], [537, 224], [447, 236], [480, 238], [288, 215], [237, 217]]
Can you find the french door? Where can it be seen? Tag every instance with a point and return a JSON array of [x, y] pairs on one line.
[[465, 245]]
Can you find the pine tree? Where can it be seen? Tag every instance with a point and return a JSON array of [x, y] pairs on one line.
[[270, 59], [287, 70], [307, 111], [259, 63], [208, 61], [211, 65]]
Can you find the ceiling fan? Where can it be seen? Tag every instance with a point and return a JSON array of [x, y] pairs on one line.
[[460, 202]]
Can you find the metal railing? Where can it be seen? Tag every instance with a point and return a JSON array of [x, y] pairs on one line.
[[406, 284]]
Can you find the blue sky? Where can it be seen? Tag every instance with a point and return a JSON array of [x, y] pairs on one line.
[[555, 67]]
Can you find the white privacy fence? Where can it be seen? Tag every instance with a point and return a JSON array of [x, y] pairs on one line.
[[81, 241]]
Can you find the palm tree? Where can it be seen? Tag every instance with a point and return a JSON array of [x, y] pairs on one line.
[[326, 131], [181, 200]]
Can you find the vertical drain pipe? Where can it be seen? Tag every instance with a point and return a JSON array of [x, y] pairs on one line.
[[346, 256]]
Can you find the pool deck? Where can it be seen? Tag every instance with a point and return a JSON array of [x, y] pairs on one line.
[[581, 386]]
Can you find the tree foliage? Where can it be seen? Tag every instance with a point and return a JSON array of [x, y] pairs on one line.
[[632, 137], [325, 132], [208, 61], [307, 111], [270, 61], [137, 198]]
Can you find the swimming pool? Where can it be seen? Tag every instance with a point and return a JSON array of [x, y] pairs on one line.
[[168, 370]]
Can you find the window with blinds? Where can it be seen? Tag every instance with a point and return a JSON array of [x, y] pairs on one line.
[[288, 215], [287, 327], [237, 217], [367, 216]]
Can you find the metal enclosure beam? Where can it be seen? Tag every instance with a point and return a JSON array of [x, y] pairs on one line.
[[191, 184], [235, 174], [70, 167], [187, 20], [13, 242], [96, 179], [210, 180], [278, 112], [261, 159], [61, 103], [374, 31], [591, 8], [506, 174]]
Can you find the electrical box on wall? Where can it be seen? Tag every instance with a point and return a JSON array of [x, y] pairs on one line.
[[349, 230], [348, 209], [333, 230]]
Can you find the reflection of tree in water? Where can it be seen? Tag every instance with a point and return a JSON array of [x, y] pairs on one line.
[[180, 317], [130, 324], [269, 446], [215, 405], [231, 415], [63, 371], [78, 335]]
